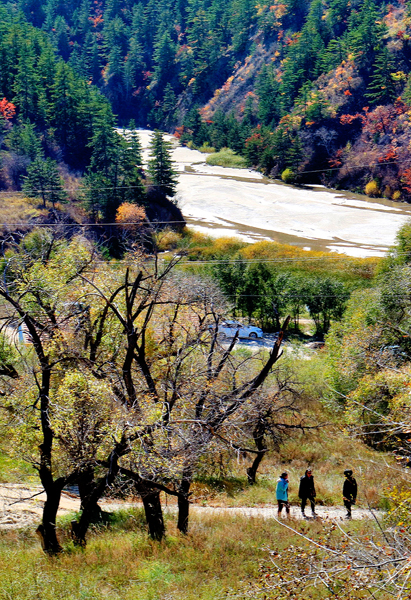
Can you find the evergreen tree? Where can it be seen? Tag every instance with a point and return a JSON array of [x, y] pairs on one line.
[[168, 106], [104, 143], [43, 181], [196, 127], [26, 83], [406, 95], [131, 187], [381, 89], [160, 166], [98, 197], [268, 93], [24, 139], [134, 66]]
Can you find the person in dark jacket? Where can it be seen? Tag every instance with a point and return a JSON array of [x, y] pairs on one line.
[[349, 491], [307, 491]]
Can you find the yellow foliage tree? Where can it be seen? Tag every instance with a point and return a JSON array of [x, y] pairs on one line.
[[372, 189], [131, 217]]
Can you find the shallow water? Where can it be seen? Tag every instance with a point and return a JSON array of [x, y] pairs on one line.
[[241, 202]]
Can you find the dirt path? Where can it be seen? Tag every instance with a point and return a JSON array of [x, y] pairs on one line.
[[21, 506]]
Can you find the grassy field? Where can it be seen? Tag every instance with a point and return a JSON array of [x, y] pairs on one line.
[[219, 558]]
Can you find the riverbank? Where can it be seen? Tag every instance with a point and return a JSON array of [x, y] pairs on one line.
[[222, 201]]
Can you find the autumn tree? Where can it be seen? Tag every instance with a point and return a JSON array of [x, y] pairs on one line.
[[109, 376]]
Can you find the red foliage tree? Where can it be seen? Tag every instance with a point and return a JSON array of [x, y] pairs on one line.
[[7, 109]]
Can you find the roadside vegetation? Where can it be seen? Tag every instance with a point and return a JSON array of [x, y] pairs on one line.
[[220, 558]]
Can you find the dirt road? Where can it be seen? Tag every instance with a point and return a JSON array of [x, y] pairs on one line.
[[21, 506]]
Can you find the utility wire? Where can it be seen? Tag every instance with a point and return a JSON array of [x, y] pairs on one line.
[[132, 187], [336, 257]]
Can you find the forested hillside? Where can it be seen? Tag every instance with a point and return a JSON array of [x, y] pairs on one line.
[[319, 90]]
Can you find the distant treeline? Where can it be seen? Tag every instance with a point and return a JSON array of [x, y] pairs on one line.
[[306, 91], [310, 91]]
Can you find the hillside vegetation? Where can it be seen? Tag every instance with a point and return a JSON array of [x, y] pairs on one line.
[[320, 88]]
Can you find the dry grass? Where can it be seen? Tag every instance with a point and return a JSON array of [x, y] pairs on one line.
[[15, 208], [218, 559], [328, 451]]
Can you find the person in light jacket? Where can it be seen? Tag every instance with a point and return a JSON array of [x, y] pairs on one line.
[[282, 494]]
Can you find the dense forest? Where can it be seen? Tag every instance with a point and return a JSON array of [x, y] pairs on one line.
[[313, 91]]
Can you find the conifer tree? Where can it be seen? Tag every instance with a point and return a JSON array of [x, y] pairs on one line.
[[381, 89], [104, 142], [43, 181], [25, 140], [160, 166], [268, 94], [168, 106], [131, 188]]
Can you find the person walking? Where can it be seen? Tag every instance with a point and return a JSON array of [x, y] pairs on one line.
[[282, 493], [349, 491], [307, 492]]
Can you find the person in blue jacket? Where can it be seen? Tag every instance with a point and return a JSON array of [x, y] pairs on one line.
[[282, 494]]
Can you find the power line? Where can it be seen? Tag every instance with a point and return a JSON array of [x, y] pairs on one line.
[[132, 187], [239, 261]]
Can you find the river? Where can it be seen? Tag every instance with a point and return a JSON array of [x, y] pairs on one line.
[[243, 203]]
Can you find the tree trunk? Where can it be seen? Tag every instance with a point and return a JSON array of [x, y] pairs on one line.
[[258, 436], [252, 471], [154, 513], [47, 529], [79, 528], [183, 505], [86, 487], [97, 489]]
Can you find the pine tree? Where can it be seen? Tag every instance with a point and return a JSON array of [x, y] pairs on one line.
[[381, 89], [168, 106], [24, 139], [104, 143], [26, 83], [43, 181], [268, 93], [98, 197], [164, 55], [160, 166], [131, 187]]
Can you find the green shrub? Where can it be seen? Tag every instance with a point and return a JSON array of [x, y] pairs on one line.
[[206, 148], [288, 176], [226, 158]]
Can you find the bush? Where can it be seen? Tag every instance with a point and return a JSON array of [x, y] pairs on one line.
[[396, 195], [288, 176], [226, 158], [206, 148], [168, 240], [372, 189]]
